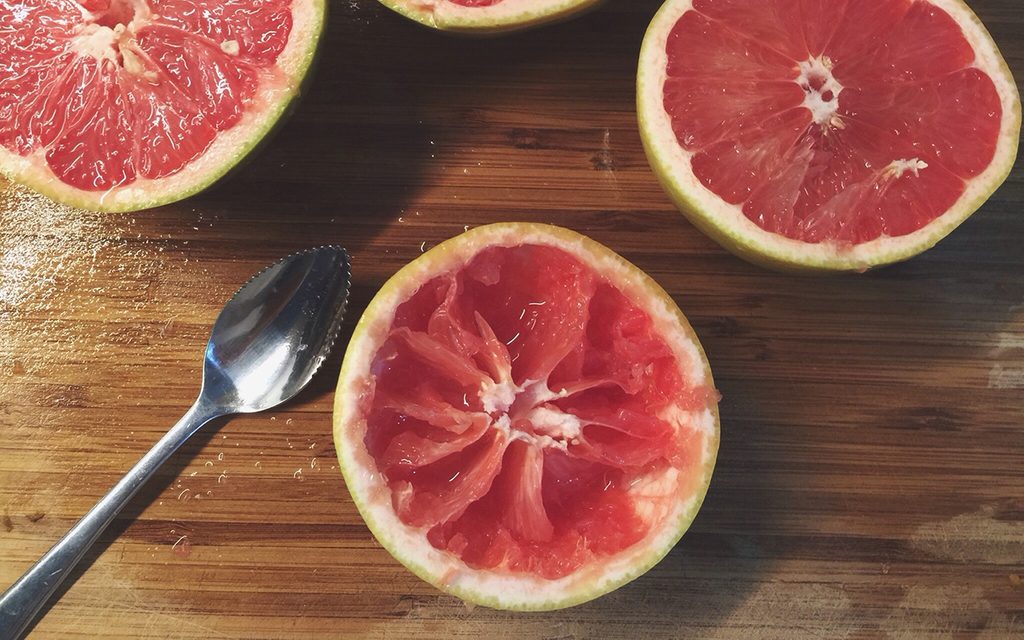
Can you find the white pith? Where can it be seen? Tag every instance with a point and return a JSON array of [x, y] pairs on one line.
[[278, 86], [530, 401], [508, 14], [727, 223], [498, 396], [822, 111], [662, 498], [561, 426], [897, 168], [97, 41]]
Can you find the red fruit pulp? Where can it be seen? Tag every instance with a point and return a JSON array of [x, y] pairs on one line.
[[516, 400]]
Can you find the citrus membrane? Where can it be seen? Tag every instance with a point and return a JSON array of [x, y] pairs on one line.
[[125, 104], [826, 134], [525, 419], [487, 16]]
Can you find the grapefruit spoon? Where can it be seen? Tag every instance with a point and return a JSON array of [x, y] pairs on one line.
[[826, 134], [120, 105], [487, 16], [524, 419]]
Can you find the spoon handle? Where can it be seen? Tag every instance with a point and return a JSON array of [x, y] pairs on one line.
[[23, 600]]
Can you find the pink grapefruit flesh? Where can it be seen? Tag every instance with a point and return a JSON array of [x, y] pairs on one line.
[[529, 412], [835, 134], [124, 104]]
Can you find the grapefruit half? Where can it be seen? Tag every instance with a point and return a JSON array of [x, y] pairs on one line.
[[487, 16], [826, 134], [524, 419], [117, 105]]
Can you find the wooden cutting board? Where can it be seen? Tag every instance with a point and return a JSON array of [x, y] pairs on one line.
[[871, 475]]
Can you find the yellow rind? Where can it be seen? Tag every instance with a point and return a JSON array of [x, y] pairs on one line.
[[464, 246], [751, 246], [471, 24], [48, 185]]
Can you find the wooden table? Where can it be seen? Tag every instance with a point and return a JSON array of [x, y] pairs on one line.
[[871, 475]]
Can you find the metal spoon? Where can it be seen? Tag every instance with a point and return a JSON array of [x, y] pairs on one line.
[[266, 345]]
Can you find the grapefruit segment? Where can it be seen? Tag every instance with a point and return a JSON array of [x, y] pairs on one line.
[[256, 30], [425, 403], [127, 104], [442, 491], [826, 135], [497, 361], [919, 43], [411, 450], [169, 130], [520, 490], [211, 79], [774, 24], [524, 419], [861, 27], [487, 16], [444, 360]]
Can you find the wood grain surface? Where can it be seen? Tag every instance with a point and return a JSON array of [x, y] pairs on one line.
[[871, 476]]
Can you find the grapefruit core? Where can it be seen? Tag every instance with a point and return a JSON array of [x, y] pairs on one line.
[[524, 419], [826, 134], [487, 16], [117, 105]]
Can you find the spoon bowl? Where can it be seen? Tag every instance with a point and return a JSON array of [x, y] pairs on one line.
[[276, 332]]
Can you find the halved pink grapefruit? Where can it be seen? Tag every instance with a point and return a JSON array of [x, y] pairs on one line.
[[118, 105], [826, 134], [487, 16], [524, 419]]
